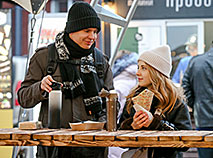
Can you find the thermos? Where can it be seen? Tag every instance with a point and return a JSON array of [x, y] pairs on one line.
[[112, 111], [55, 105]]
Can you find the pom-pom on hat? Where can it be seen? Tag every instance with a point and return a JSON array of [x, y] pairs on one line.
[[159, 58], [82, 16]]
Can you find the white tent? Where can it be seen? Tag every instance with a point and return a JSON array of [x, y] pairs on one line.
[[32, 6]]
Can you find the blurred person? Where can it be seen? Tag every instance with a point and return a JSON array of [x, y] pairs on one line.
[[198, 88], [168, 110], [77, 72], [177, 54], [124, 79], [124, 75], [191, 48]]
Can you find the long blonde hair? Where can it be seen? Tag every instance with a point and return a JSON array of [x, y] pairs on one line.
[[163, 88]]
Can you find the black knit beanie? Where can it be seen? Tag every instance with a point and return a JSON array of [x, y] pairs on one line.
[[81, 16]]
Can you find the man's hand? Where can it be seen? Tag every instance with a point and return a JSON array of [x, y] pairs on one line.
[[46, 82]]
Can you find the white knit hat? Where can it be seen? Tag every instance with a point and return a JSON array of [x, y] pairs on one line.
[[159, 58]]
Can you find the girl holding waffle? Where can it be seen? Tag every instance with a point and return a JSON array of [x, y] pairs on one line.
[[155, 103]]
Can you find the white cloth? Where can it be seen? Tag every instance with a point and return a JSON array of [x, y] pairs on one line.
[[116, 152]]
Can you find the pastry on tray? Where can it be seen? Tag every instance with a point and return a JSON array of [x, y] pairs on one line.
[[87, 125], [30, 125]]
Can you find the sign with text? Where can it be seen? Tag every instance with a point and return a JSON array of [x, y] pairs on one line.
[[168, 9]]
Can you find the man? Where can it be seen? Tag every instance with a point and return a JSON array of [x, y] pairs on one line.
[[75, 50], [191, 47], [198, 88]]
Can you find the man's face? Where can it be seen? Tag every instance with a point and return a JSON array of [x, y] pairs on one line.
[[85, 38], [192, 49]]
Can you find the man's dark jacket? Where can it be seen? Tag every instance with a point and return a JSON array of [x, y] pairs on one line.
[[73, 110], [198, 86]]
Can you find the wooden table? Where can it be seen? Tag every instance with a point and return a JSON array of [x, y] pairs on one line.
[[124, 138]]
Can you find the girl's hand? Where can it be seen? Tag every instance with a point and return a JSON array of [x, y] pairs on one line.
[[141, 119]]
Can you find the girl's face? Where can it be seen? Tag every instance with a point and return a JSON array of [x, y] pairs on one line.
[[143, 74]]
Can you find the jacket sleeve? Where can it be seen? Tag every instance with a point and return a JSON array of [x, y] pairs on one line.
[[108, 76], [187, 85], [30, 92], [126, 119], [108, 85], [178, 119]]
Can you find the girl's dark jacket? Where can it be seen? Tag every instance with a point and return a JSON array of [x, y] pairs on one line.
[[177, 119]]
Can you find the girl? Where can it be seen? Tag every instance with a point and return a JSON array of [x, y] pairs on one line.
[[168, 110]]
